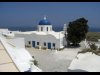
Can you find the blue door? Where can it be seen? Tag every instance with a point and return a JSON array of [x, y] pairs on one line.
[[49, 45], [33, 43]]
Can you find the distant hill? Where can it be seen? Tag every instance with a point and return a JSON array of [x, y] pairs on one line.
[[91, 29], [30, 28], [93, 36]]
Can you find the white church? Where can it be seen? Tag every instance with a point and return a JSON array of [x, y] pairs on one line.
[[44, 36]]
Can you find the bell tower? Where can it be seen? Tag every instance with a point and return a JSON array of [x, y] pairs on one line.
[[44, 25]]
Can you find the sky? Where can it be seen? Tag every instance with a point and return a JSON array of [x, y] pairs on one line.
[[58, 13]]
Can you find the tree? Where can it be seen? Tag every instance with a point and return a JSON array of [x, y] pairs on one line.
[[77, 30]]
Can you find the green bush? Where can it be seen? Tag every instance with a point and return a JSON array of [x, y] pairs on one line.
[[27, 46], [35, 62], [44, 48], [32, 56], [37, 47], [60, 49], [93, 50], [85, 50], [96, 52], [93, 46]]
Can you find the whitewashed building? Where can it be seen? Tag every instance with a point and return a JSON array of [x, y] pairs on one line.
[[15, 48], [43, 37]]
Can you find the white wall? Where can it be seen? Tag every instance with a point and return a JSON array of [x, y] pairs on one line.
[[3, 31], [64, 42], [42, 38], [20, 56], [17, 42], [45, 28]]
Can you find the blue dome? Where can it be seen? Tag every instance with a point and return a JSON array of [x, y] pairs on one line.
[[44, 22]]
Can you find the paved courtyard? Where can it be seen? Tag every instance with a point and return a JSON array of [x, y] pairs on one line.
[[52, 61]]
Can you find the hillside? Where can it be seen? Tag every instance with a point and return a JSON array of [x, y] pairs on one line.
[[93, 36]]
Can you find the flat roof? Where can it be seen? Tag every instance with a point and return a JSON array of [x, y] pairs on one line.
[[55, 34], [87, 62]]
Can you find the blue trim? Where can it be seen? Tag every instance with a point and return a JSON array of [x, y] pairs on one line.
[[49, 45], [33, 43], [44, 22]]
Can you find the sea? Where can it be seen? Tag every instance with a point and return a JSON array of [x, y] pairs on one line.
[[32, 28]]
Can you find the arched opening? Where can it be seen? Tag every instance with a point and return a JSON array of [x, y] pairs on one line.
[[47, 28], [41, 28]]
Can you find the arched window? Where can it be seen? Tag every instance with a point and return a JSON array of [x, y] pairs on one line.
[[53, 44], [29, 42], [44, 43], [41, 28], [47, 28], [37, 43]]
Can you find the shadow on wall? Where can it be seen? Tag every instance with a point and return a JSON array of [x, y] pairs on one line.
[[77, 70]]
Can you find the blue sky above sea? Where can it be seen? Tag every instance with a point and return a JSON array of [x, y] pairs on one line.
[[28, 14]]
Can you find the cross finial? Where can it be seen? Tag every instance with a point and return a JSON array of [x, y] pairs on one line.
[[45, 17]]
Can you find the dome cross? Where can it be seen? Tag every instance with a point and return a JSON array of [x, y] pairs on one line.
[[45, 17]]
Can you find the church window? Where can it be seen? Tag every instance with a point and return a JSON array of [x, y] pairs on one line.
[[41, 28], [29, 42], [37, 43], [47, 28], [53, 44], [44, 43]]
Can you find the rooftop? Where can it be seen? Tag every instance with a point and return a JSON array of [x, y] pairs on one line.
[[53, 33], [44, 22], [86, 62]]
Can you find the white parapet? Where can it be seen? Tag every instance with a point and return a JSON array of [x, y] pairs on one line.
[[20, 56], [85, 62]]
